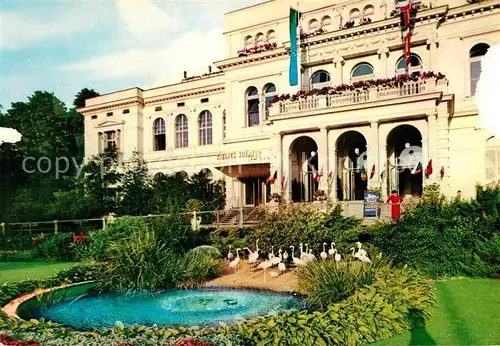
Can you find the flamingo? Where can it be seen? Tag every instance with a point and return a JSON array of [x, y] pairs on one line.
[[282, 267], [361, 251], [271, 254], [323, 255], [235, 263], [297, 261], [310, 256], [276, 260], [285, 256], [230, 255], [338, 257], [265, 265], [253, 255], [331, 251], [360, 256], [302, 253]]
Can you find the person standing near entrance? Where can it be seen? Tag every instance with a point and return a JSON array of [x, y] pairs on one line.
[[395, 201]]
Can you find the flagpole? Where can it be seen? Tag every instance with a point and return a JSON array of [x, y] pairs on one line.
[[299, 51]]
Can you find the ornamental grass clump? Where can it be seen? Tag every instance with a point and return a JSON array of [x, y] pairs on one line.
[[328, 282]]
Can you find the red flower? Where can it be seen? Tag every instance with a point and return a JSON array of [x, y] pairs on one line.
[[192, 342]]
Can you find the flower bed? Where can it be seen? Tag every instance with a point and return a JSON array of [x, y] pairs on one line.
[[257, 49], [382, 83]]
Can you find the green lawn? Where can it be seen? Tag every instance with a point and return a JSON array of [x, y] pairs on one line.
[[18, 271], [468, 314]]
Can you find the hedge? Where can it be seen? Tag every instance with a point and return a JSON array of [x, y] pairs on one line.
[[398, 300]]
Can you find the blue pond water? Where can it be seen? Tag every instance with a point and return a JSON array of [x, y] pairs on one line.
[[171, 308]]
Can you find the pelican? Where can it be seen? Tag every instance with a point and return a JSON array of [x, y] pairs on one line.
[[323, 255], [230, 255], [331, 251]]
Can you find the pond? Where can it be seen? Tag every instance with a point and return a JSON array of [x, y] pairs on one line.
[[193, 307]]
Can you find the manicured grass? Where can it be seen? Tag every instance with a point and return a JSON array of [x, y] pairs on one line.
[[18, 271], [468, 314]]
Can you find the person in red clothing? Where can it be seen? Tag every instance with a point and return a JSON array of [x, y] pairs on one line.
[[395, 201]]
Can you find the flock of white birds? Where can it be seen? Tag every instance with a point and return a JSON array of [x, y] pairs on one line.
[[282, 257]]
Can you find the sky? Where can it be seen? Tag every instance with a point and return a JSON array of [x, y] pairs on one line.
[[64, 46]]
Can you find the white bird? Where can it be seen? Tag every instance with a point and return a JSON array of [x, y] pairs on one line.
[[311, 256], [271, 254], [282, 267], [265, 265], [361, 251], [360, 256], [331, 251], [338, 257], [230, 255], [302, 253], [285, 256], [323, 255], [236, 262], [276, 260], [253, 255], [296, 261]]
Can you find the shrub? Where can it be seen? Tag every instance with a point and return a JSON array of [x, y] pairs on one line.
[[328, 282], [298, 224], [443, 239], [207, 250], [235, 237], [16, 256], [55, 247], [199, 268]]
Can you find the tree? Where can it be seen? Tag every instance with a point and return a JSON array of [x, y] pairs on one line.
[[84, 94], [136, 188]]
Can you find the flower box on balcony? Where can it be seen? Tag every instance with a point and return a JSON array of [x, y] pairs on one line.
[[257, 49]]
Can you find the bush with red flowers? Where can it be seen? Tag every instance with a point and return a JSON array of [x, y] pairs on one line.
[[7, 340], [81, 239], [257, 48], [192, 342], [317, 32], [396, 81]]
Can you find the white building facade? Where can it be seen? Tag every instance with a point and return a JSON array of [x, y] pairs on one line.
[[239, 123]]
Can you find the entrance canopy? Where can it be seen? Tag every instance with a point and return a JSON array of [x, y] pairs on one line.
[[250, 170]]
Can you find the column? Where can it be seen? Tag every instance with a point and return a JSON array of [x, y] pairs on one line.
[[332, 140], [432, 132], [277, 166], [323, 159], [432, 42], [383, 53], [337, 77], [382, 155], [373, 155]]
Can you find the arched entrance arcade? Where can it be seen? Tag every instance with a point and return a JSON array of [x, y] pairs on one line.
[[405, 161], [352, 180], [303, 169]]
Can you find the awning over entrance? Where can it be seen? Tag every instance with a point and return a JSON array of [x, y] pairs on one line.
[[250, 170]]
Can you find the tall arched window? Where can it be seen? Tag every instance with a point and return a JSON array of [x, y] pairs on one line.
[[313, 25], [248, 41], [259, 39], [181, 131], [362, 71], [160, 139], [320, 79], [271, 36], [326, 22], [205, 128], [269, 92], [475, 55], [252, 98], [415, 65]]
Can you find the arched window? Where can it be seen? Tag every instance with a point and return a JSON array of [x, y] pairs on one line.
[[269, 92], [271, 36], [368, 11], [259, 39], [313, 25], [181, 131], [362, 71], [205, 128], [415, 65], [248, 41], [320, 79], [354, 14], [492, 160], [160, 142], [252, 97], [326, 22], [475, 55]]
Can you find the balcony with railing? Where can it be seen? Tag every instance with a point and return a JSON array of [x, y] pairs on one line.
[[358, 93]]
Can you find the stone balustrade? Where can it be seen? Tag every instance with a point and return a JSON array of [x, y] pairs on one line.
[[358, 96]]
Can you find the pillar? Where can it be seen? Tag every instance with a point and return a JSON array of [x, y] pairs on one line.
[[382, 157], [383, 53], [332, 140], [373, 148], [337, 77], [323, 159], [432, 131], [278, 166], [432, 43]]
